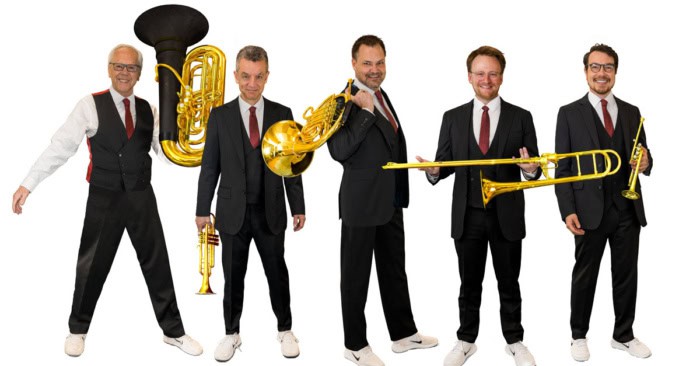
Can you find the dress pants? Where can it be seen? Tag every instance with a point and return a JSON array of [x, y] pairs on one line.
[[387, 243], [107, 214], [621, 229], [235, 263], [482, 231]]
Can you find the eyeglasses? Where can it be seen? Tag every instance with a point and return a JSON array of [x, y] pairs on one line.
[[128, 67], [490, 75], [607, 67]]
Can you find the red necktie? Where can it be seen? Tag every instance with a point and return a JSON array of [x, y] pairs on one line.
[[253, 131], [129, 121], [386, 110], [607, 118], [484, 132]]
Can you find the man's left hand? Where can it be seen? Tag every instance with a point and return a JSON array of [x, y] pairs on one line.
[[299, 221]]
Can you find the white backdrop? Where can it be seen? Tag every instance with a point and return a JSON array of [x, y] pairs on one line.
[[53, 56]]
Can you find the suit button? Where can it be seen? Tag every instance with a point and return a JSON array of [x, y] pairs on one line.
[[600, 187]]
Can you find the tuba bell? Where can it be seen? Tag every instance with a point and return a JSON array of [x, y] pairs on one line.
[[170, 29]]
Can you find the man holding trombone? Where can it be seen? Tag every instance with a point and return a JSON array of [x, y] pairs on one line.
[[487, 128], [595, 211]]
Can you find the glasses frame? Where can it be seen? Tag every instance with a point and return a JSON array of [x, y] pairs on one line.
[[116, 66], [490, 75], [596, 67]]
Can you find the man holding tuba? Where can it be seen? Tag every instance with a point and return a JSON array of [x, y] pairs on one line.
[[487, 128], [120, 129], [595, 211], [250, 202]]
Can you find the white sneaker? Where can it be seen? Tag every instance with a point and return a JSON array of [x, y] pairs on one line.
[[413, 342], [75, 344], [290, 346], [186, 344], [521, 354], [460, 353], [634, 347], [579, 349], [227, 347], [363, 357]]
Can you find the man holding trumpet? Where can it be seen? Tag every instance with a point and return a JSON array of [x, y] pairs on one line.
[[595, 211]]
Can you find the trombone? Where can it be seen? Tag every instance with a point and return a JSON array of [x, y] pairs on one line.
[[547, 161], [637, 153]]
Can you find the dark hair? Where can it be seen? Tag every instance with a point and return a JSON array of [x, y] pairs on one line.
[[600, 47], [486, 51], [251, 53], [367, 40]]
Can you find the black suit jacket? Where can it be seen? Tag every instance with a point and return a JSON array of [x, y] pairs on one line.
[[576, 131], [223, 156], [515, 130], [369, 194]]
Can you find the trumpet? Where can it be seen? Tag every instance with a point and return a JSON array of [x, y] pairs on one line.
[[288, 147], [547, 162], [637, 153], [208, 239]]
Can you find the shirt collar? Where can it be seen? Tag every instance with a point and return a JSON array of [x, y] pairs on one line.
[[595, 99]]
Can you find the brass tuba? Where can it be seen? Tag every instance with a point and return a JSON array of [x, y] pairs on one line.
[[184, 114], [208, 240], [288, 147], [547, 162]]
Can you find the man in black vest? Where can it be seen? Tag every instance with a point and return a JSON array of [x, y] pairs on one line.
[[121, 129], [487, 128], [250, 200], [371, 208], [594, 210]]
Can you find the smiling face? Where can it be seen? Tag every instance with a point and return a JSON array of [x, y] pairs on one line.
[[251, 77], [601, 82], [370, 66], [486, 77], [124, 81]]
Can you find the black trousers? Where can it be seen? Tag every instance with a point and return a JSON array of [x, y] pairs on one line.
[[482, 231], [107, 214], [357, 245], [621, 229], [235, 263]]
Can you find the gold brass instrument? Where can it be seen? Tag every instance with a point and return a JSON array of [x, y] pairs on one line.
[[637, 152], [546, 161], [288, 147], [208, 240], [184, 114]]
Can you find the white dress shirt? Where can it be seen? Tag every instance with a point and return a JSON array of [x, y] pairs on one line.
[[81, 122], [245, 114], [612, 107]]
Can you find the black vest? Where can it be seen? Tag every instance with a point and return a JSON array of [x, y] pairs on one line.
[[613, 185], [254, 170], [474, 196], [118, 163]]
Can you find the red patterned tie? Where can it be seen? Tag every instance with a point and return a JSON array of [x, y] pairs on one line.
[[607, 118], [484, 133], [253, 128], [129, 121], [391, 119]]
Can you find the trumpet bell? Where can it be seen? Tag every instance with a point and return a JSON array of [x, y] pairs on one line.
[[276, 144], [630, 194]]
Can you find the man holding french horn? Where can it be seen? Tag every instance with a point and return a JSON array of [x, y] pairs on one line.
[[595, 211]]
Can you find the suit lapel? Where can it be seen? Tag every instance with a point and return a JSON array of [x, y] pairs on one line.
[[465, 130], [589, 118], [234, 129], [385, 126], [625, 123], [505, 122]]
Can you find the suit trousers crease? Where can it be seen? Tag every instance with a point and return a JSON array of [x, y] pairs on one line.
[[358, 245], [481, 232], [621, 229], [235, 263], [107, 215]]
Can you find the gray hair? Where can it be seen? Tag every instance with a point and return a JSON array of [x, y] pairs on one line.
[[252, 53], [123, 45]]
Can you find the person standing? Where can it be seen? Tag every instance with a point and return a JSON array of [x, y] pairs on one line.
[[121, 129], [594, 210], [371, 209], [250, 202]]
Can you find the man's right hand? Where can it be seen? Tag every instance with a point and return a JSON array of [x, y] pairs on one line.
[[363, 100], [18, 199], [201, 222], [573, 225], [432, 171]]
